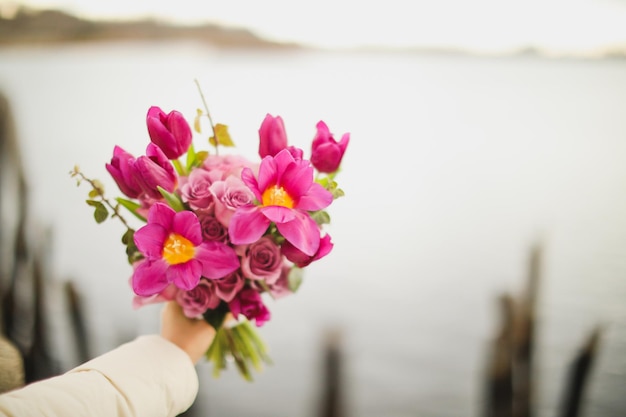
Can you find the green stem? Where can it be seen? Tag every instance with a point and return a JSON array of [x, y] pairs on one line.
[[179, 167], [208, 115]]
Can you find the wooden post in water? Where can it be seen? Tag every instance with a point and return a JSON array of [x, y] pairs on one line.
[[332, 383], [509, 388], [578, 375]]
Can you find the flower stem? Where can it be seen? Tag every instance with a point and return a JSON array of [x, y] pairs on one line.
[[208, 115], [98, 188]]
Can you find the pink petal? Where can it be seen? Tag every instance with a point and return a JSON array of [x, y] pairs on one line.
[[149, 277], [186, 224], [186, 275], [297, 178], [316, 198], [150, 239], [268, 173], [218, 259], [161, 214], [247, 225], [278, 214], [302, 232], [247, 176]]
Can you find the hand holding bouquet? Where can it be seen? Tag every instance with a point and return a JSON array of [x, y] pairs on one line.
[[222, 232]]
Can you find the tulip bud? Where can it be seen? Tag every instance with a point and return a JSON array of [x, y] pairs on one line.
[[273, 138], [170, 132], [301, 259], [121, 170], [152, 170], [326, 153]]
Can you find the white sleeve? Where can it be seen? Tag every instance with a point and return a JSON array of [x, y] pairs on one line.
[[149, 376]]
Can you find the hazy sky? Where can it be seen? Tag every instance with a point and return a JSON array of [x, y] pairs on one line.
[[480, 24]]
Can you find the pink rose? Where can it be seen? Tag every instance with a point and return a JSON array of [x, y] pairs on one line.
[[195, 189], [226, 288], [248, 302], [212, 229], [223, 166], [326, 153], [229, 195], [262, 260], [300, 258], [278, 289], [199, 299]]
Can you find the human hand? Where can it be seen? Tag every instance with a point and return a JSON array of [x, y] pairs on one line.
[[194, 336]]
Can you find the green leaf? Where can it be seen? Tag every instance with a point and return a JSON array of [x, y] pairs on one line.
[[321, 217], [94, 193], [100, 211], [172, 199], [132, 252], [294, 278], [191, 157], [131, 206], [223, 137], [215, 317]]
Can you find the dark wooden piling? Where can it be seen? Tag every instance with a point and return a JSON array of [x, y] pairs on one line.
[[332, 402], [509, 385], [578, 375]]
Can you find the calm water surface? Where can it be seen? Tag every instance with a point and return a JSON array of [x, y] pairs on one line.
[[457, 165]]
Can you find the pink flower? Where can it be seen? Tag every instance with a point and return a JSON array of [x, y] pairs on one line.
[[248, 302], [228, 196], [153, 170], [168, 294], [212, 229], [272, 135], [300, 258], [262, 260], [199, 299], [195, 189], [280, 288], [223, 166], [174, 253], [227, 288], [326, 153], [121, 170], [297, 153], [286, 192], [170, 132]]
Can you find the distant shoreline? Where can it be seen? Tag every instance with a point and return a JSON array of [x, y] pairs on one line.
[[52, 27]]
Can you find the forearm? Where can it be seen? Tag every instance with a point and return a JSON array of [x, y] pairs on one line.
[[147, 377]]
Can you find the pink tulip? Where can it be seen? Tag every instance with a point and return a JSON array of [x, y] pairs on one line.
[[174, 253], [152, 170], [273, 138], [121, 170], [285, 192], [326, 153], [170, 132]]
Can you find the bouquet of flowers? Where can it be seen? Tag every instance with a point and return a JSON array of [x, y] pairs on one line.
[[221, 232]]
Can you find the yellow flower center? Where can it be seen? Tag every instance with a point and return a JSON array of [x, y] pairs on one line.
[[277, 196], [177, 249]]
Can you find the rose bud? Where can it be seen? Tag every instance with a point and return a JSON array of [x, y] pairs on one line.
[[326, 153], [170, 132], [272, 135]]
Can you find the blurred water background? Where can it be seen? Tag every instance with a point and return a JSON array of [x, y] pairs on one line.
[[456, 167]]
